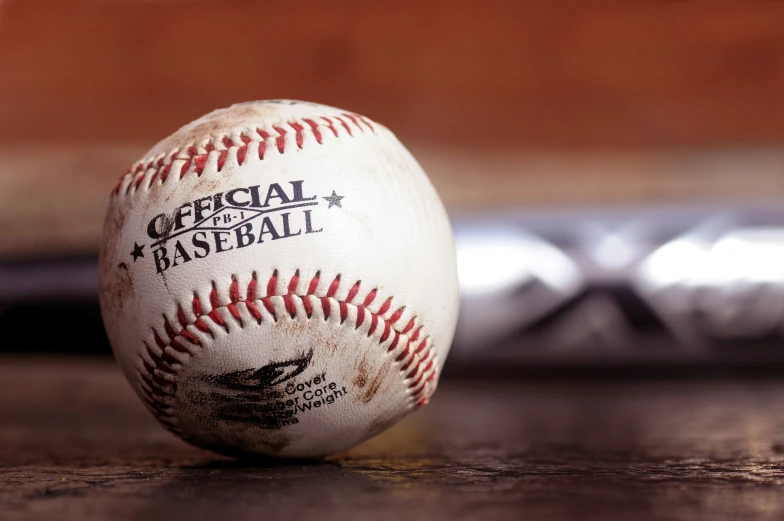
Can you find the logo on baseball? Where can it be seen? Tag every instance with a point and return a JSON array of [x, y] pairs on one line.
[[279, 278]]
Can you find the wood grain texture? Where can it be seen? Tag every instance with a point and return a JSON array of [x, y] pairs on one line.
[[75, 443]]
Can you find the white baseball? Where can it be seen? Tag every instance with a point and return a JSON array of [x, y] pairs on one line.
[[279, 278]]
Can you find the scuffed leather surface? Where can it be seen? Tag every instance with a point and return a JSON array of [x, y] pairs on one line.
[[391, 233]]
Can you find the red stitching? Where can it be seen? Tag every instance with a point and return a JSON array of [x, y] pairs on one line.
[[314, 283], [242, 151], [185, 167], [280, 141], [353, 292], [200, 162], [159, 367], [366, 121], [298, 129], [294, 282], [195, 160], [361, 118], [314, 128], [345, 125], [330, 125], [222, 159], [385, 306], [333, 288], [263, 143]]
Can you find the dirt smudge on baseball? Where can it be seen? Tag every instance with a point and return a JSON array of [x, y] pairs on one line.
[[116, 278], [361, 379], [112, 230], [375, 383], [333, 344], [207, 185], [295, 327], [119, 288]]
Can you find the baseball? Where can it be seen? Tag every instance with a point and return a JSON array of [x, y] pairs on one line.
[[279, 278]]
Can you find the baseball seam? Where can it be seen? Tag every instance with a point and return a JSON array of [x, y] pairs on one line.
[[194, 157], [161, 361]]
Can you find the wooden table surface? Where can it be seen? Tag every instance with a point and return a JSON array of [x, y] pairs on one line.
[[76, 444]]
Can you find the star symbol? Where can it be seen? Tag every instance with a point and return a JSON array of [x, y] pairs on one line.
[[334, 200], [137, 251]]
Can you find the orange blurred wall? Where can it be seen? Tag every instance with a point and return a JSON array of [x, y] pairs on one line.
[[556, 102]]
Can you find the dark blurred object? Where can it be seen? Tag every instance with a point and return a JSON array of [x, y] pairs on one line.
[[49, 281], [56, 327], [55, 300], [657, 286]]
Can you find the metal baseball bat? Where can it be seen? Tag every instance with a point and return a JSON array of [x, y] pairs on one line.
[[666, 284]]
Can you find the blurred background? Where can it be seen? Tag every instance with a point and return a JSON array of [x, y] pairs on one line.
[[614, 171]]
